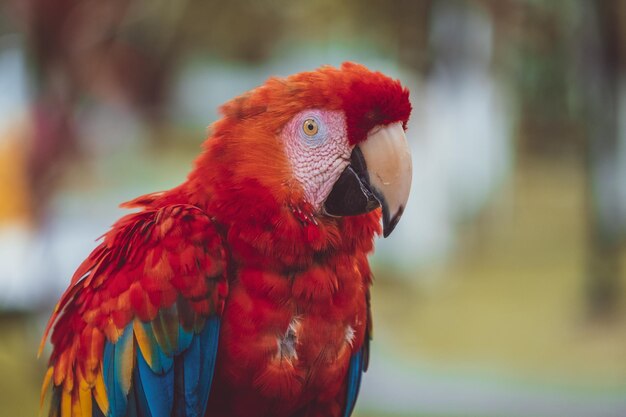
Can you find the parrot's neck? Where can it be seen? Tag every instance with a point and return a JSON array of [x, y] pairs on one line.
[[264, 218], [265, 233], [283, 235]]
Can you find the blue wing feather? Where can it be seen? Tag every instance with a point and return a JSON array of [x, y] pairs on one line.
[[209, 340], [178, 385], [157, 389], [161, 362], [138, 395], [198, 366], [184, 339], [110, 364], [355, 371]]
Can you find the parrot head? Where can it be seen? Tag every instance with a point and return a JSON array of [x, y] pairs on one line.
[[321, 147]]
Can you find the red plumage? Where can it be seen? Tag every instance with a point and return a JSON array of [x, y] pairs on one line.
[[238, 240]]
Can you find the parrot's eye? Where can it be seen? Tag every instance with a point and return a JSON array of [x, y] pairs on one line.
[[310, 127]]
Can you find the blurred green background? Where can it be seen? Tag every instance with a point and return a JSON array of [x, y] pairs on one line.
[[501, 293]]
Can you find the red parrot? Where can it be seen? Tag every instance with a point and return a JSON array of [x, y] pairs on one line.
[[244, 291]]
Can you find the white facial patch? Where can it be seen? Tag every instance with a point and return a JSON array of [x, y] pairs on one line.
[[317, 159]]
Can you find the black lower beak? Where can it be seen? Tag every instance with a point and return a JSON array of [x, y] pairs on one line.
[[352, 194], [349, 196]]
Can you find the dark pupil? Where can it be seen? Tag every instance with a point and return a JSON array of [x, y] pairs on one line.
[[309, 126]]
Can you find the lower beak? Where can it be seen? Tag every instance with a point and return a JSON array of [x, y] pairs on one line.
[[379, 175]]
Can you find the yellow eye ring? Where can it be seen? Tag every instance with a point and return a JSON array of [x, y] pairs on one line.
[[310, 127]]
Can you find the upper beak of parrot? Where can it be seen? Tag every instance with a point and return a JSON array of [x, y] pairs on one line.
[[379, 175]]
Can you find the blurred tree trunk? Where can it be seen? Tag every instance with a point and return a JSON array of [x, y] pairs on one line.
[[413, 26], [53, 139], [599, 60], [79, 49], [404, 25]]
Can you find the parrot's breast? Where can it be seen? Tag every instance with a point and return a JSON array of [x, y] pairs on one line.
[[287, 338]]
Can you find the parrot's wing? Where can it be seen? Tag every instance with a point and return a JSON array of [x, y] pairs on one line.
[[136, 333], [358, 365]]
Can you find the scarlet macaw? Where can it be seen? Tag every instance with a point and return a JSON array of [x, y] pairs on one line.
[[245, 290]]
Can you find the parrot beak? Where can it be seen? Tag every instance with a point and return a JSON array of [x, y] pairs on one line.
[[379, 175]]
